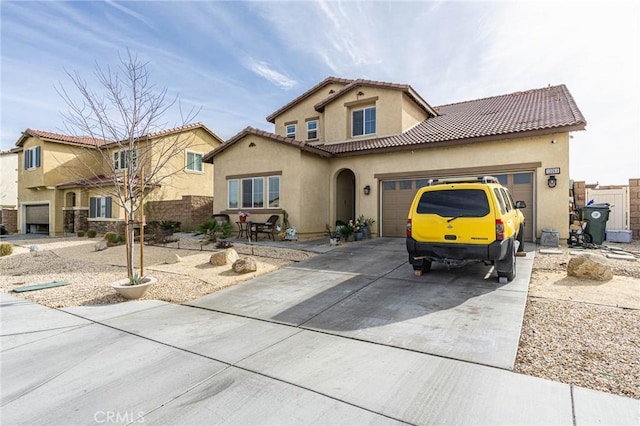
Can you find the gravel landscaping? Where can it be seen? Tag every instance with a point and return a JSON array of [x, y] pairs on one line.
[[580, 332]]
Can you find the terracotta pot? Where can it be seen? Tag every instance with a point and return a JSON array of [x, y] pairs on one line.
[[133, 291], [243, 218]]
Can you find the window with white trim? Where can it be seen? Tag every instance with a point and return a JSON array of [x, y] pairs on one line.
[[100, 207], [233, 194], [32, 158], [121, 158], [312, 129], [194, 162], [291, 130], [254, 193], [363, 121]]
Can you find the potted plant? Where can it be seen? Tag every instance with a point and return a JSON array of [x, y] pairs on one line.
[[134, 287], [345, 231], [242, 215], [334, 236]]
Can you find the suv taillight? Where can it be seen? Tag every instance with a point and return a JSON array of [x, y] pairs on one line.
[[409, 228], [499, 230]]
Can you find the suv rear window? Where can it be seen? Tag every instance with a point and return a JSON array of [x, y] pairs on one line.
[[451, 203]]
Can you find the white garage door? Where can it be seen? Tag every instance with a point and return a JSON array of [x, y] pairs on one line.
[[398, 194]]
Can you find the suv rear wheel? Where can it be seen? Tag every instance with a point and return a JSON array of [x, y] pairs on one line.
[[507, 267]]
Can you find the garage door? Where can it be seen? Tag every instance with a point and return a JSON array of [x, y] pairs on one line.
[[37, 214], [398, 194]]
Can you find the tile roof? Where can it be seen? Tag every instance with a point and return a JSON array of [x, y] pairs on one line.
[[539, 110], [97, 142], [79, 140], [407, 89], [329, 80], [101, 181], [268, 135]]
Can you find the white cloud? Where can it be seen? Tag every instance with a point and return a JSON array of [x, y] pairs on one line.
[[267, 72]]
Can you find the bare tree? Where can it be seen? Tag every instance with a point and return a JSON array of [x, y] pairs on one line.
[[123, 117]]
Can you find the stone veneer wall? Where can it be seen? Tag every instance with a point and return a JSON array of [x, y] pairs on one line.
[[634, 208], [9, 217], [190, 211]]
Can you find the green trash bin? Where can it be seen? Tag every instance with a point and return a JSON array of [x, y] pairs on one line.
[[596, 216]]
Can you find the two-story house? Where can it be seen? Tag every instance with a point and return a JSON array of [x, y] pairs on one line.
[[346, 148], [66, 183]]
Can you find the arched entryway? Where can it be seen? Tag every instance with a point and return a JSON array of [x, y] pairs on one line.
[[345, 195]]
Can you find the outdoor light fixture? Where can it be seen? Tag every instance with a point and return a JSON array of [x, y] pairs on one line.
[[552, 181], [367, 190]]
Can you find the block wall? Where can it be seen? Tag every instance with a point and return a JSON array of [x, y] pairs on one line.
[[190, 211], [9, 217], [634, 208]]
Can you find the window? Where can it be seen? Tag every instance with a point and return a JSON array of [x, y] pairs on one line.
[[233, 194], [99, 207], [274, 191], [405, 184], [522, 178], [120, 159], [291, 130], [454, 203], [249, 193], [194, 162], [253, 193], [363, 122], [389, 185], [32, 158], [312, 129]]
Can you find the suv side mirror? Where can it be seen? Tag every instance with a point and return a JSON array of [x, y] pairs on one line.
[[520, 205]]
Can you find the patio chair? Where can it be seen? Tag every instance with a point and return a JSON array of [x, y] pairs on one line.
[[268, 227]]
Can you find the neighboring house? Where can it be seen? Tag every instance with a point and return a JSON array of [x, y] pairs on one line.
[[347, 148], [8, 179], [65, 183], [9, 190]]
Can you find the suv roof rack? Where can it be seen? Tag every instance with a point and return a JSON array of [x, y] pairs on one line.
[[465, 179]]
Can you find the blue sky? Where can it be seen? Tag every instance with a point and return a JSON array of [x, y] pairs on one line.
[[241, 61]]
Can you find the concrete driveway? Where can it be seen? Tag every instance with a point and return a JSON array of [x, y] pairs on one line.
[[348, 337]]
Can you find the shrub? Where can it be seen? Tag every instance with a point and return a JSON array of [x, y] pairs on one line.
[[5, 249], [80, 233], [91, 233], [113, 239]]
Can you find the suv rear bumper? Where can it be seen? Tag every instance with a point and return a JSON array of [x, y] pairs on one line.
[[498, 250]]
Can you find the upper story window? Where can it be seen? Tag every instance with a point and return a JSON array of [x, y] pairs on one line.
[[312, 129], [32, 158], [291, 130], [121, 159], [363, 121], [194, 162]]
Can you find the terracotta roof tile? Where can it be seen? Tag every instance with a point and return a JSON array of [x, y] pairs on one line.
[[407, 89], [97, 142], [329, 80], [268, 135], [549, 108], [80, 140]]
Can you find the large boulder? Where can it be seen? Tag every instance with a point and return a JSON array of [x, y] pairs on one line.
[[245, 265], [221, 258], [100, 245], [590, 267]]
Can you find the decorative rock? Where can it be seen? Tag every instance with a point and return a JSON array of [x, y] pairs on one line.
[[100, 245], [244, 265], [173, 258], [35, 248], [621, 256], [551, 251], [221, 258], [590, 267]]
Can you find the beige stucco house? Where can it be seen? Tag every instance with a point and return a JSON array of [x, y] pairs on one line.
[[65, 183], [346, 148]]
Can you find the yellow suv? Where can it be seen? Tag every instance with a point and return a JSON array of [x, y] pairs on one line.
[[462, 220]]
